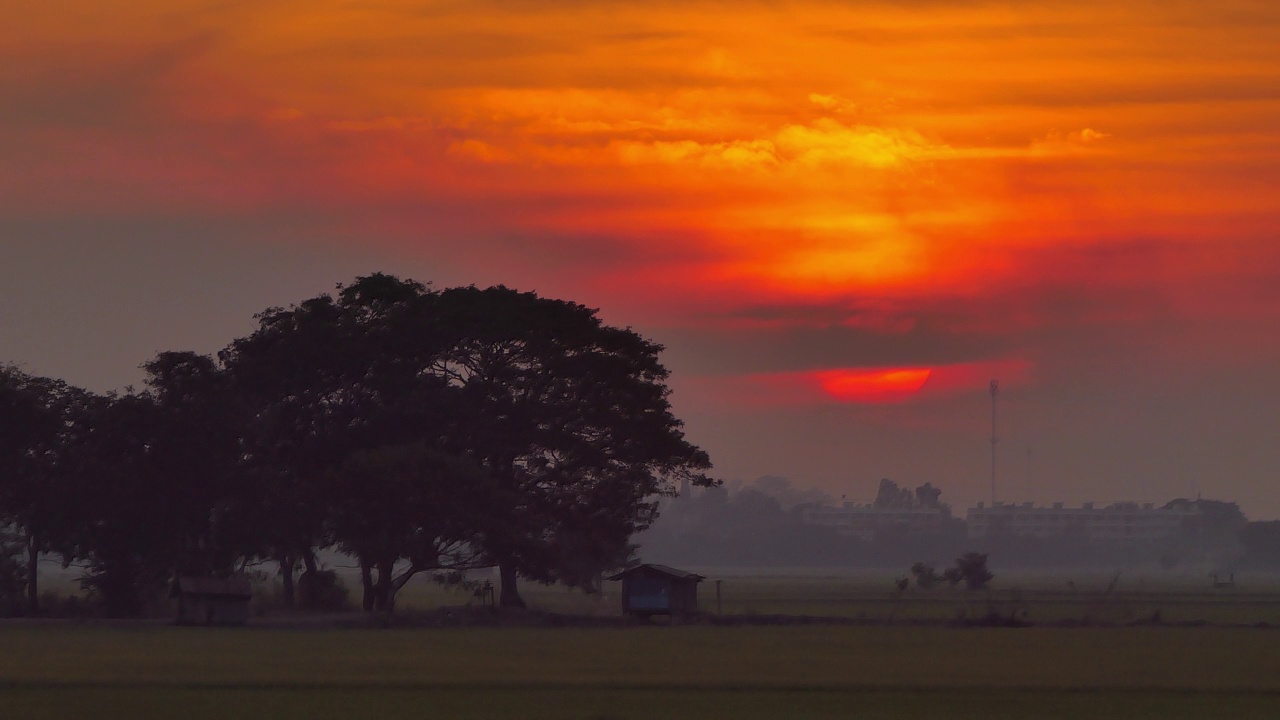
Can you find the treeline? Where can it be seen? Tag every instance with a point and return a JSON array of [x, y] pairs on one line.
[[414, 429]]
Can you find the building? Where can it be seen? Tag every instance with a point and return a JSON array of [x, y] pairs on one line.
[[868, 521], [1117, 522], [212, 601], [658, 590]]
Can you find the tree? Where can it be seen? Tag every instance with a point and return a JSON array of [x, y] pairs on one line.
[[926, 576], [407, 509], [13, 573], [296, 374], [972, 568], [562, 422], [890, 495], [348, 432], [35, 414], [118, 516], [571, 420], [953, 576], [154, 484], [198, 448]]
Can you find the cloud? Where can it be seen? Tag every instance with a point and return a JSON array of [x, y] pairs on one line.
[[79, 86], [829, 142]]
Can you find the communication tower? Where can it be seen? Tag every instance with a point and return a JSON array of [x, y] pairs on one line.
[[995, 388]]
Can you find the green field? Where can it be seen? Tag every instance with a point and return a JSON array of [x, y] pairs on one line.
[[1058, 598], [1092, 652], [146, 671]]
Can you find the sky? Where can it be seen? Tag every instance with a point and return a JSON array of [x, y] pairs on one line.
[[843, 219]]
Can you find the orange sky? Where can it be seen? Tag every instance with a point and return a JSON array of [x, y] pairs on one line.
[[955, 189]]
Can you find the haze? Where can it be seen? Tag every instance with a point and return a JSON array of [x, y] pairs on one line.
[[843, 219]]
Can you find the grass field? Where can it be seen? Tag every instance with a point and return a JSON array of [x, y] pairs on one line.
[[150, 671], [897, 665], [1084, 598]]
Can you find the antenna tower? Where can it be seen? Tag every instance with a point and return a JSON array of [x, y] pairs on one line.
[[995, 388]]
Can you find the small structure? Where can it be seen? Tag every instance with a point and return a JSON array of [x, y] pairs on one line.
[[658, 590], [212, 601]]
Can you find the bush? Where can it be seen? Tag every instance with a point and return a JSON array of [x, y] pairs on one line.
[[926, 576], [972, 566], [322, 590]]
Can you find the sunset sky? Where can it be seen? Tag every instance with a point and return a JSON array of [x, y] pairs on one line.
[[842, 218]]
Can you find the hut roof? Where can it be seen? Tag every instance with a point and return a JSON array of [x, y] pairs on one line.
[[236, 586], [655, 569]]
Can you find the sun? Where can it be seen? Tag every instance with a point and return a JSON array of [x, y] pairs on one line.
[[878, 385]]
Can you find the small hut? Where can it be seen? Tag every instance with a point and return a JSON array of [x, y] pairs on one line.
[[212, 601], [650, 589]]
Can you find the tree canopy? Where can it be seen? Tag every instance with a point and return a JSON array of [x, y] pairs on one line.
[[418, 430]]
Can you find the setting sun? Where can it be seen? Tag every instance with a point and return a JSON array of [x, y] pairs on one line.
[[873, 386]]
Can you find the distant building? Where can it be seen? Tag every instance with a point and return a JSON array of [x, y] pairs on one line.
[[868, 521], [1117, 522], [658, 590], [897, 510]]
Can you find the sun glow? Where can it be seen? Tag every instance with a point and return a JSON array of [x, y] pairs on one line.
[[873, 386], [973, 168]]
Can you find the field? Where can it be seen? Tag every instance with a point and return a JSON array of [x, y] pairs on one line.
[[1106, 598], [907, 668]]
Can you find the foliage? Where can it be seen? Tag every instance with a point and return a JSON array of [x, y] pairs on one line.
[[35, 418], [972, 568], [570, 419], [926, 576], [889, 495], [953, 576], [418, 430], [322, 590], [13, 573]]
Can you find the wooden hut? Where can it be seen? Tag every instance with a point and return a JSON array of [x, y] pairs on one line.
[[212, 601], [658, 590]]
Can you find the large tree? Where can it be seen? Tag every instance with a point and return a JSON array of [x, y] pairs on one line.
[[407, 509], [558, 423], [153, 483], [336, 386], [292, 373], [199, 448], [571, 419], [122, 502], [35, 415]]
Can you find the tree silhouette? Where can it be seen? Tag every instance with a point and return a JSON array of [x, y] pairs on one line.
[[418, 430], [570, 417], [35, 416], [972, 568]]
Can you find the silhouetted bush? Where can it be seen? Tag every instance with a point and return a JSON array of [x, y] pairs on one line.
[[322, 590]]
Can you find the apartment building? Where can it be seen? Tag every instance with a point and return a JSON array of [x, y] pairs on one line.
[[868, 521], [1116, 522]]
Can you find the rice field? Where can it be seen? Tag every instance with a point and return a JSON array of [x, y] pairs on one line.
[[147, 670], [1213, 655], [1097, 598]]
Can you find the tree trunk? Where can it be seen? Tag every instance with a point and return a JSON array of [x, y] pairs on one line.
[[510, 594], [33, 588], [366, 579], [286, 575], [386, 594], [309, 561]]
